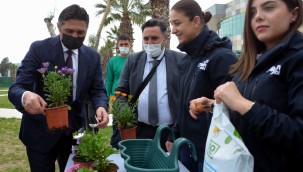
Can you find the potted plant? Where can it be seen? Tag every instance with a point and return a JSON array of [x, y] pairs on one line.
[[94, 148], [57, 86], [124, 115]]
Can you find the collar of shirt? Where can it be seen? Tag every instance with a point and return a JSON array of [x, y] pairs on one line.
[[149, 58], [66, 49]]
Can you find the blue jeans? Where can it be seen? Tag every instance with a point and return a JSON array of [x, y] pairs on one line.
[[189, 162]]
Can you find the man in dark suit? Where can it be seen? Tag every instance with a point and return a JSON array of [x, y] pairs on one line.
[[44, 147], [137, 67]]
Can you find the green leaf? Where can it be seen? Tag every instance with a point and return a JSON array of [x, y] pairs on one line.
[[237, 134], [227, 140]]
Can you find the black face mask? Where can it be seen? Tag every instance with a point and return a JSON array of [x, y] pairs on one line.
[[71, 42]]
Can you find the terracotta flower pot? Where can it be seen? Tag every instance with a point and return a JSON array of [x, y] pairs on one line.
[[85, 164], [89, 164], [82, 163], [129, 133], [112, 167], [57, 117]]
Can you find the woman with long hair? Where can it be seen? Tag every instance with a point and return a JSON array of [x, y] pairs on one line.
[[266, 94], [205, 68]]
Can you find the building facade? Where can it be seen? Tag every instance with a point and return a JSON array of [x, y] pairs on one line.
[[228, 20]]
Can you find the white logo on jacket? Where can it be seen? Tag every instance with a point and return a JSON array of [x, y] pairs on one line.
[[203, 65], [275, 70]]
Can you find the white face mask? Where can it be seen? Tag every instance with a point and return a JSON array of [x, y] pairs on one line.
[[154, 50], [124, 50]]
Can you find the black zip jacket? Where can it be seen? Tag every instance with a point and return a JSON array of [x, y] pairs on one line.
[[205, 68], [273, 129]]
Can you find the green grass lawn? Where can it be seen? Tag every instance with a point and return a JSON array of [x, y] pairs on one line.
[[13, 156], [5, 103]]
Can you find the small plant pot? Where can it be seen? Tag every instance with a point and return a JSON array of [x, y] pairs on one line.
[[57, 117], [129, 133], [82, 163], [112, 168], [85, 164]]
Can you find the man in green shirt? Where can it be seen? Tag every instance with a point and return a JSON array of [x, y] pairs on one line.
[[116, 64]]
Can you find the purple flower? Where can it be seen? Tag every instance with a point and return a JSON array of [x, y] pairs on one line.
[[60, 72], [42, 70], [70, 71], [45, 65], [64, 70]]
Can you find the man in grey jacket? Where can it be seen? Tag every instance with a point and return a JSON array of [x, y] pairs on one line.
[[158, 107]]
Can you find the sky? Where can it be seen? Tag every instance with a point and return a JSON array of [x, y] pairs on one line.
[[22, 22]]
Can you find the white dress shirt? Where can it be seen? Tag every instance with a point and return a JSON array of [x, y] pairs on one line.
[[164, 114]]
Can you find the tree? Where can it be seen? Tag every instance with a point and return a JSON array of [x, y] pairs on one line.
[[113, 35], [49, 24], [160, 10], [91, 40], [105, 10], [13, 68], [106, 52], [127, 12], [4, 66]]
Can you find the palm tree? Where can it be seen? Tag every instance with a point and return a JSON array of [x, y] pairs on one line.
[[105, 9], [91, 40], [106, 52], [113, 35], [160, 10], [127, 12]]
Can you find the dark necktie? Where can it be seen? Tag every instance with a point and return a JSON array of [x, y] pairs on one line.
[[153, 99], [69, 64], [69, 59]]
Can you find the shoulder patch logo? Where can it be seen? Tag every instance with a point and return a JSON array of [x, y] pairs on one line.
[[203, 65], [275, 70]]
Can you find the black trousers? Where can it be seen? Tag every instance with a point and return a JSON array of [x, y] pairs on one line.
[[46, 161], [115, 138]]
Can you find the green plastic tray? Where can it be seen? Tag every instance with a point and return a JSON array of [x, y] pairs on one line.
[[142, 155]]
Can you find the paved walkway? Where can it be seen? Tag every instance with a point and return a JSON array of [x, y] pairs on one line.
[[2, 93], [13, 113], [9, 113]]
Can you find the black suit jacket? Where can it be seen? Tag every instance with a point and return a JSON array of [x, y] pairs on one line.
[[33, 131], [132, 75]]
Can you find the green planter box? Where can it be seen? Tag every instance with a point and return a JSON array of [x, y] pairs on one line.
[[146, 155], [6, 81]]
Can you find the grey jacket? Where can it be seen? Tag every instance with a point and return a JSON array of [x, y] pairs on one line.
[[132, 75]]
